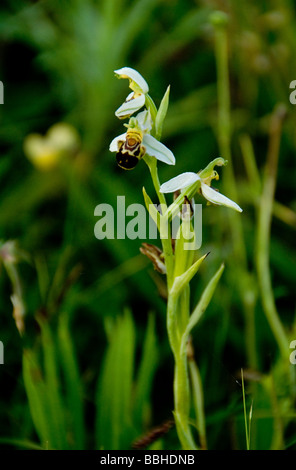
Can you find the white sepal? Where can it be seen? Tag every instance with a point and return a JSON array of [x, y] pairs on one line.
[[179, 182], [135, 79], [217, 198], [156, 149]]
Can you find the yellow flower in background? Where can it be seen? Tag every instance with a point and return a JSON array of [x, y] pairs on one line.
[[61, 140]]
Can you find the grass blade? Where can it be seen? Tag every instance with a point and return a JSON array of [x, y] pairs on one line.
[[55, 402], [73, 382], [37, 397], [114, 392], [145, 374]]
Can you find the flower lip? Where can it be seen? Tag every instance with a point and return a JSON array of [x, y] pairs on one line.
[[139, 128], [137, 82], [113, 147]]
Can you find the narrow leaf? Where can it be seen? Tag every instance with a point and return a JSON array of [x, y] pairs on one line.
[[153, 212], [72, 382], [55, 402], [181, 281], [37, 397], [114, 392], [161, 113], [145, 375], [204, 301]]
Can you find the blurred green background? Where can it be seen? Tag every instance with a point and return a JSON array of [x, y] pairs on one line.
[[93, 369]]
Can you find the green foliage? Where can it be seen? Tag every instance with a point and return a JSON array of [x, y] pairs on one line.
[[84, 374], [122, 405]]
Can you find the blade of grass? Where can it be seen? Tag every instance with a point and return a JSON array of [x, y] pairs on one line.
[[145, 375], [73, 382], [197, 396], [247, 427], [37, 397], [24, 443], [203, 303], [114, 390], [55, 402], [263, 233]]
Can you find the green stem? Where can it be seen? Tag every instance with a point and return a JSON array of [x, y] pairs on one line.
[[166, 238], [177, 314], [263, 235], [245, 413], [198, 400], [181, 380], [224, 140], [224, 136]]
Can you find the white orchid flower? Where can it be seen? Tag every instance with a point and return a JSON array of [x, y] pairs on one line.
[[187, 179], [136, 99], [131, 146]]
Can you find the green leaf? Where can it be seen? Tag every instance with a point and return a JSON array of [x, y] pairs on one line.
[[145, 374], [183, 257], [55, 402], [183, 280], [24, 443], [153, 212], [161, 114], [204, 301], [72, 382], [114, 390], [37, 396]]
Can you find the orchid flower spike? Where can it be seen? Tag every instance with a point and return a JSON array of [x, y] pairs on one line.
[[131, 146], [136, 99], [204, 179]]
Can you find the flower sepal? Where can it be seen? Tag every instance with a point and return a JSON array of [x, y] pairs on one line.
[[202, 180], [136, 99]]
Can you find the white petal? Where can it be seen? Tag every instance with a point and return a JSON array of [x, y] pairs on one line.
[[130, 106], [144, 121], [179, 182], [156, 149], [132, 74], [217, 198], [113, 147]]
